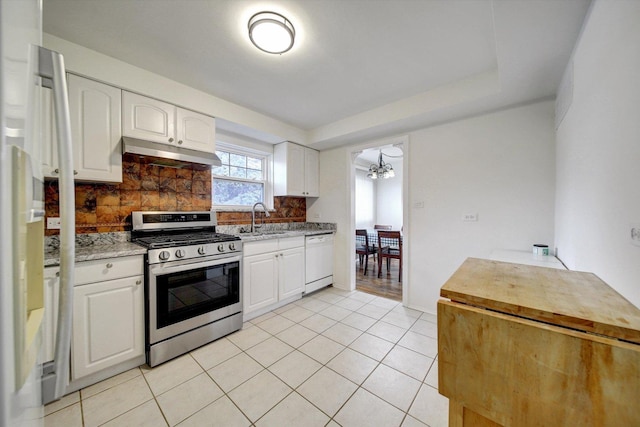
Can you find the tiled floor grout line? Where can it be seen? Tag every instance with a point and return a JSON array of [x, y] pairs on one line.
[[337, 298], [359, 386]]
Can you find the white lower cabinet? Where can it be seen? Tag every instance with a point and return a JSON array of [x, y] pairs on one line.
[[273, 273], [291, 280], [51, 298], [108, 314]]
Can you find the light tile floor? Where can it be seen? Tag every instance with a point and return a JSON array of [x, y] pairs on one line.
[[333, 358]]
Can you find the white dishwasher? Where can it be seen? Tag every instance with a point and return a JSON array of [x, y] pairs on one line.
[[318, 261]]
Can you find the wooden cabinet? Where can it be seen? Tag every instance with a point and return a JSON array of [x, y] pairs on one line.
[[95, 131], [108, 314], [273, 273], [153, 120], [523, 345], [295, 170]]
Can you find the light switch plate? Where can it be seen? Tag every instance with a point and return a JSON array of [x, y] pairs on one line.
[[470, 217]]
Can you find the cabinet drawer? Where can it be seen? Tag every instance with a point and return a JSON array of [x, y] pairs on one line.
[[260, 247], [291, 242], [108, 269]]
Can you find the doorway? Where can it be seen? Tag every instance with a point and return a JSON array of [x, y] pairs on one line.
[[379, 201]]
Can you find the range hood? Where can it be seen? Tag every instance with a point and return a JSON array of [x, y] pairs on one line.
[[172, 156]]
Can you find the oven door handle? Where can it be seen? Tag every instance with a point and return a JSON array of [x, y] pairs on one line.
[[158, 269]]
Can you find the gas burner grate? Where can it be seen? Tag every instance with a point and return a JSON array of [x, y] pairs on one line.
[[167, 241]]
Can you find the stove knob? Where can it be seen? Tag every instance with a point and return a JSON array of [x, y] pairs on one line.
[[232, 246], [180, 253], [202, 250], [221, 247], [164, 255]]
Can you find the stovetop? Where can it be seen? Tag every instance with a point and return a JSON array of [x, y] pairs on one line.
[[169, 240]]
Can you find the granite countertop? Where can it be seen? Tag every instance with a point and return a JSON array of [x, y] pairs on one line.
[[252, 237], [103, 251], [113, 245]]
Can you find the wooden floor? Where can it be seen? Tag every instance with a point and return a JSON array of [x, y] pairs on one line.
[[386, 286]]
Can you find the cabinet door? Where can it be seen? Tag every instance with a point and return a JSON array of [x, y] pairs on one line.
[[311, 172], [50, 323], [291, 272], [260, 281], [49, 146], [196, 131], [108, 325], [295, 170], [147, 118], [96, 130], [288, 170]]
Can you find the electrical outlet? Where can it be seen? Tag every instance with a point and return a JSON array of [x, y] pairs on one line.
[[418, 205], [635, 234], [316, 216], [53, 223], [470, 217]]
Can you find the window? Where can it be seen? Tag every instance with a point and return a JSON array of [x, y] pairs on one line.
[[365, 200], [241, 180]]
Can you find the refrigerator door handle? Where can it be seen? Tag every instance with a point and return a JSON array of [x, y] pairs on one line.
[[52, 68]]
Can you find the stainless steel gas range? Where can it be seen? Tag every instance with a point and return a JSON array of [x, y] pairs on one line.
[[192, 281]]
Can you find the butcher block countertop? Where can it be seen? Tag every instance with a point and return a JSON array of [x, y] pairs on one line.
[[571, 299], [522, 345]]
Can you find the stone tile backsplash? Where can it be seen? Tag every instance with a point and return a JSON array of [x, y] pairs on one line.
[[107, 207]]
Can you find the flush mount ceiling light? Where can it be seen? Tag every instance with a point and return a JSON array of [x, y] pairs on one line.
[[381, 170], [271, 32]]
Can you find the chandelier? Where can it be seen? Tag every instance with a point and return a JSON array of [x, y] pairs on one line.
[[381, 170]]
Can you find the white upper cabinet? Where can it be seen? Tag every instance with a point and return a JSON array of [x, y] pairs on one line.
[[312, 172], [49, 153], [95, 131], [195, 131], [148, 119], [295, 170], [153, 120]]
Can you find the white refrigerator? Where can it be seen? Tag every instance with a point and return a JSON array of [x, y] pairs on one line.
[[25, 67]]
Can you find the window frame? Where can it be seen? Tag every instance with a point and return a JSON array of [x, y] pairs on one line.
[[267, 163]]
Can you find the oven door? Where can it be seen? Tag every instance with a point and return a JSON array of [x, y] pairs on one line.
[[184, 295]]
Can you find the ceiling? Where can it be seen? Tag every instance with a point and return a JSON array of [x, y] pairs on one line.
[[359, 69]]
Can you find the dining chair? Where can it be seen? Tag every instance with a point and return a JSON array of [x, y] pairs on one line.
[[389, 247], [382, 227], [364, 249]]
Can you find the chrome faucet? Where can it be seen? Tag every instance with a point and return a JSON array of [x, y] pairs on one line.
[[253, 215]]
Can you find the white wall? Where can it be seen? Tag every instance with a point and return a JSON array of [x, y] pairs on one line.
[[500, 166], [389, 197], [598, 151]]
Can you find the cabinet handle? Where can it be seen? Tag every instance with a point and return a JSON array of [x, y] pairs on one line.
[[109, 265], [56, 171], [281, 255], [179, 141], [138, 282], [57, 274], [277, 255], [170, 139]]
